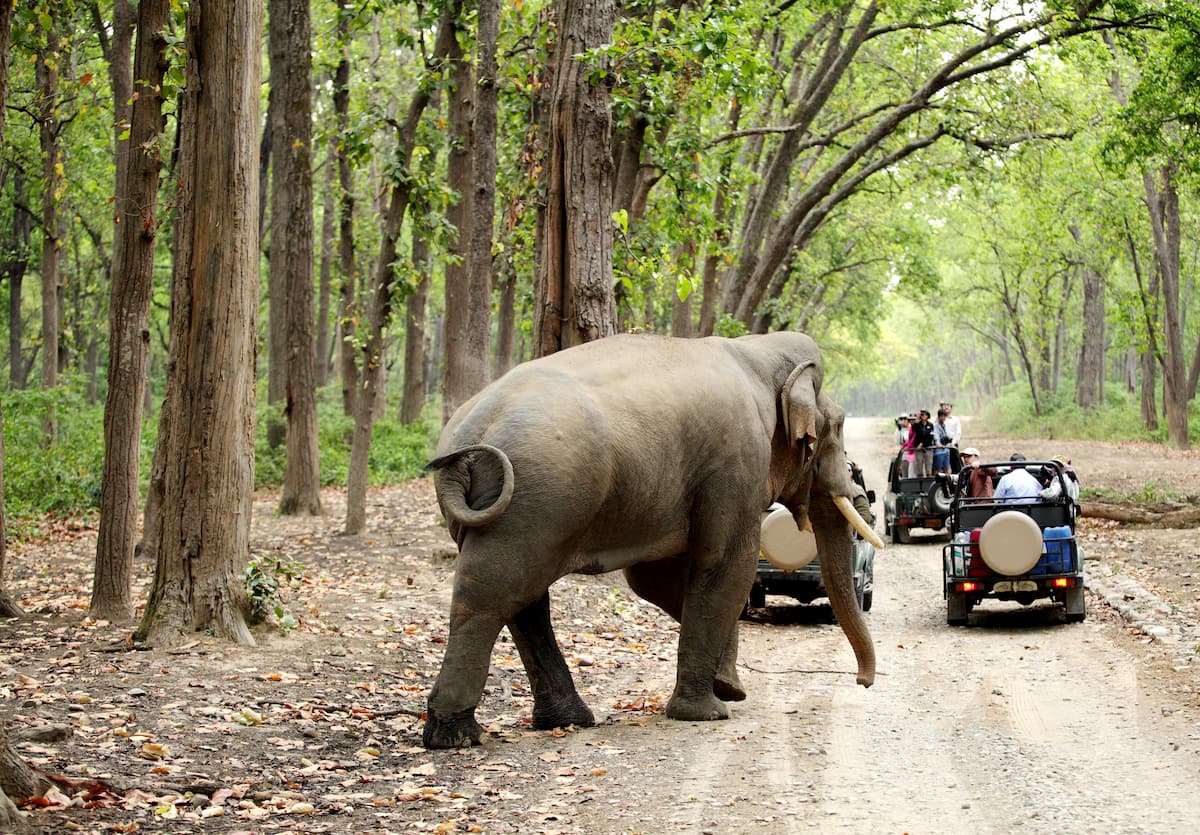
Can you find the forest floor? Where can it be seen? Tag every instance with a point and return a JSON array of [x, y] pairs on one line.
[[317, 728]]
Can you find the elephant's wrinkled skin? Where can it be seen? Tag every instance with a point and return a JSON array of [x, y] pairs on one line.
[[643, 453]]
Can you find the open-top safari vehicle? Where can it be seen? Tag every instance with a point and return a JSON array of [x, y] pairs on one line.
[[909, 503], [1013, 549], [790, 566]]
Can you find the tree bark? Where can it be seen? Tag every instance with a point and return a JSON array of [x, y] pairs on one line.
[[379, 308], [574, 289], [129, 325], [321, 351], [291, 258], [17, 780], [1162, 201], [14, 273], [48, 59], [1089, 376], [1187, 516], [8, 606], [483, 201], [416, 320], [202, 536], [348, 306], [457, 286]]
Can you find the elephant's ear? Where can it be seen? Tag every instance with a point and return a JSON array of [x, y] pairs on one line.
[[801, 417]]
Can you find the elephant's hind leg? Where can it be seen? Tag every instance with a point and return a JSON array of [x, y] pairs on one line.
[[556, 704], [663, 583]]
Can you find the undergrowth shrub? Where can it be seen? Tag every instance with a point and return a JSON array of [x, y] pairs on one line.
[[65, 477]]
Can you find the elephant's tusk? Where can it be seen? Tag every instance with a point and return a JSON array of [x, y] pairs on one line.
[[857, 522]]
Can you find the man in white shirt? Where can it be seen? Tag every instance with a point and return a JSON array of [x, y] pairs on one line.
[[953, 427], [1054, 489], [1017, 484]]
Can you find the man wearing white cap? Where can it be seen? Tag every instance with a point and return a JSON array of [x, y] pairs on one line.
[[979, 485]]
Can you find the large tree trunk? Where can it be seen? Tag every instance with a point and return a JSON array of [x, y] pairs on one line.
[[17, 780], [379, 306], [348, 306], [455, 390], [483, 201], [129, 326], [292, 248], [574, 290], [203, 531]]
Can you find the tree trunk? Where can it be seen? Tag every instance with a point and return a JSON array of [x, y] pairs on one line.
[[202, 535], [348, 306], [291, 257], [455, 389], [1162, 200], [129, 326], [379, 306], [483, 201], [48, 133], [321, 350], [506, 315], [14, 273], [8, 606], [574, 289], [1090, 375], [17, 780], [416, 318]]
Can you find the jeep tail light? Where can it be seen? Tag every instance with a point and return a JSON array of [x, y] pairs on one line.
[[968, 586], [1063, 582]]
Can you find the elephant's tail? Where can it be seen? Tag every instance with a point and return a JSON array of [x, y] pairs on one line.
[[481, 469]]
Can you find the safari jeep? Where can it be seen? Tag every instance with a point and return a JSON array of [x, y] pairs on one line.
[[1013, 549], [915, 502], [789, 565]]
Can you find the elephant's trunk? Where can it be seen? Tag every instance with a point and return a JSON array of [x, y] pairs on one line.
[[834, 543]]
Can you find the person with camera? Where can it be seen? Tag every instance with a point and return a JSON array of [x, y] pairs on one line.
[[923, 444], [942, 444]]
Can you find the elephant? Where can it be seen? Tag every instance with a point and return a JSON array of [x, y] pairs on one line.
[[650, 454]]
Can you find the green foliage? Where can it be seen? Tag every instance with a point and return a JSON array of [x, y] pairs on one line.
[[41, 478], [1156, 490], [1012, 414], [264, 579], [398, 451], [66, 478]]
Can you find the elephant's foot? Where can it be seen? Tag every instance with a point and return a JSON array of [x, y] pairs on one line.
[[697, 709], [455, 730], [560, 714], [728, 687]]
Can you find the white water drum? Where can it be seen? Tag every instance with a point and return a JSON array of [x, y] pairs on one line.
[[783, 544], [1011, 543]]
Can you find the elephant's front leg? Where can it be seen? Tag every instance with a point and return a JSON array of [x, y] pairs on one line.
[[721, 573], [556, 703], [664, 583]]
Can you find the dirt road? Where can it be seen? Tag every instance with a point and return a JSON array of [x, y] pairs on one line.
[[1018, 723]]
